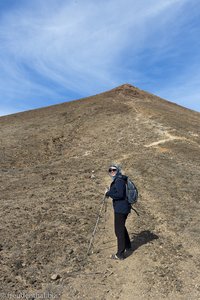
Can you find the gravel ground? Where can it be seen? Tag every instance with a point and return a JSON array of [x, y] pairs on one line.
[[53, 176]]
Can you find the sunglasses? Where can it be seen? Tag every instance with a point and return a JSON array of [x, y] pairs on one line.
[[112, 170]]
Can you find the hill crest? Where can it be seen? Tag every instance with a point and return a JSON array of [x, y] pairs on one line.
[[54, 164]]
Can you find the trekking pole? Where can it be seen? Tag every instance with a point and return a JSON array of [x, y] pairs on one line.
[[95, 227]]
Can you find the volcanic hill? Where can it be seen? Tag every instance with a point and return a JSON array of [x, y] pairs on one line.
[[54, 163]]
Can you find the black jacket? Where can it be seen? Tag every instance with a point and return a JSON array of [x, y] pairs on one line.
[[118, 193]]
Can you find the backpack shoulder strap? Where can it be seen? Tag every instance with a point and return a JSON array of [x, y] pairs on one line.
[[122, 179]]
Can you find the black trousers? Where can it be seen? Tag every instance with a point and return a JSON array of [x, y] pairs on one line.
[[123, 240]]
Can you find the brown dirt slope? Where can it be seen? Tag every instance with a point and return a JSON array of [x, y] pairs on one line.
[[53, 175]]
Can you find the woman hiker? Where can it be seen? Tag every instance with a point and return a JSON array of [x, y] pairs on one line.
[[122, 208]]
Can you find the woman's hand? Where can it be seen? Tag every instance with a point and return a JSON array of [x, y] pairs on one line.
[[106, 190]]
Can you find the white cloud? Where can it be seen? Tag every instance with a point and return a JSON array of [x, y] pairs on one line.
[[185, 90], [79, 46]]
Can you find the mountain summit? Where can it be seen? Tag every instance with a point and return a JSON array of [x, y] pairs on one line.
[[54, 163]]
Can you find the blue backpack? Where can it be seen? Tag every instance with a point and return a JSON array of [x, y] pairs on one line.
[[131, 192]]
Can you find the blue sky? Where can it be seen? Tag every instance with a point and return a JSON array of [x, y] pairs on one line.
[[52, 51]]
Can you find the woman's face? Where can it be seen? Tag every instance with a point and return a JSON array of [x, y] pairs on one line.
[[112, 171]]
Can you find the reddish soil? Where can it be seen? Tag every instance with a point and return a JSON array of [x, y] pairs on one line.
[[54, 164]]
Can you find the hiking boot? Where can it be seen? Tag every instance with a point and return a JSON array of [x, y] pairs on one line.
[[129, 249], [117, 257]]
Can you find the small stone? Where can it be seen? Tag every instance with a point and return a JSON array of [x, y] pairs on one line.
[[92, 176], [32, 280], [55, 276]]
